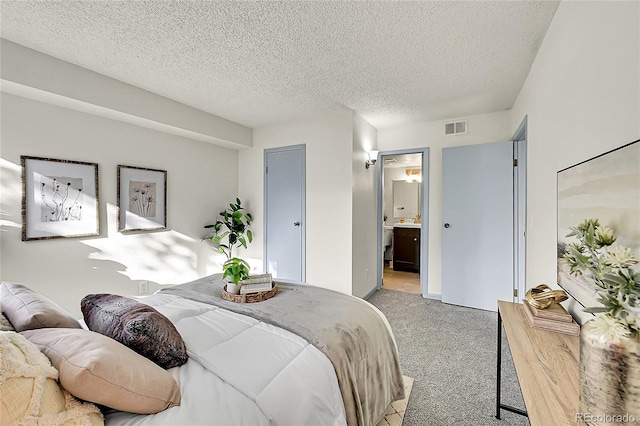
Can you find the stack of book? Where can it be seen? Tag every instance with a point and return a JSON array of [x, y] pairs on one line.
[[553, 318], [256, 284]]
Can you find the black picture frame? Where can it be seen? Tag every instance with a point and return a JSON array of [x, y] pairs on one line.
[[141, 199], [60, 198]]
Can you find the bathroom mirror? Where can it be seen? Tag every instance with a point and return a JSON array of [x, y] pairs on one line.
[[406, 199]]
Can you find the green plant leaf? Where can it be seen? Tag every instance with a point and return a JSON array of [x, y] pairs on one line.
[[218, 238], [235, 269], [596, 310], [235, 221], [614, 279], [242, 242]]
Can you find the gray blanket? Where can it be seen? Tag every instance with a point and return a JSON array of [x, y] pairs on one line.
[[346, 329]]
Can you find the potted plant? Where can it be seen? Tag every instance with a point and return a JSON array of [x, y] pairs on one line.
[[610, 343], [229, 231], [235, 270]]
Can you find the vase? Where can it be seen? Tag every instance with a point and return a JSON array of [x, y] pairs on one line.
[[233, 288], [609, 378]]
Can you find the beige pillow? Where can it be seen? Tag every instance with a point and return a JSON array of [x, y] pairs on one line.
[[27, 310], [96, 368], [29, 392]]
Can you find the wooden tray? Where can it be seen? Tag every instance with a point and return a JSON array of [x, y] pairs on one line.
[[249, 298]]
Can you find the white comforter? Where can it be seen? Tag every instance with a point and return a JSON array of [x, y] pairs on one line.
[[243, 372]]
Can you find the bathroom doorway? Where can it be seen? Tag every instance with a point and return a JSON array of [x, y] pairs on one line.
[[403, 214]]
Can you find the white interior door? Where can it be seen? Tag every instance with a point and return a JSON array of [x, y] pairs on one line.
[[284, 202], [477, 234]]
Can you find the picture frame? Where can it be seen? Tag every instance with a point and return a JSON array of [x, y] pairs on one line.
[[607, 188], [60, 198], [142, 199]]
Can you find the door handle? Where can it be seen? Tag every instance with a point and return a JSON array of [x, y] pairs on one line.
[[446, 225], [296, 223]]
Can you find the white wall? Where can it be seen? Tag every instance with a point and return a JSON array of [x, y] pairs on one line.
[[582, 98], [51, 108], [328, 139], [486, 128], [31, 74], [364, 233], [202, 178]]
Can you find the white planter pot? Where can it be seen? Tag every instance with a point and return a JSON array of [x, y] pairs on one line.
[[233, 288], [609, 376]]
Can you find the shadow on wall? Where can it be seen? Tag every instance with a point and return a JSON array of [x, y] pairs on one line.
[[66, 270], [163, 257]]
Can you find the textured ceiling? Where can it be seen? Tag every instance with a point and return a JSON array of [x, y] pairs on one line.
[[258, 63]]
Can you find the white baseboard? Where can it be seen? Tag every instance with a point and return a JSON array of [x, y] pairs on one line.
[[434, 296], [368, 295]]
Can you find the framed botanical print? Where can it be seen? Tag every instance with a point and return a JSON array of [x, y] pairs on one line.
[[142, 199], [59, 198]]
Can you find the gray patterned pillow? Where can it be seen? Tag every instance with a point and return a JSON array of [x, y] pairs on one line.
[[137, 326], [28, 310]]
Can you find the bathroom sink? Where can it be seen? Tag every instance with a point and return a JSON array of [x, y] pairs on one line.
[[407, 225]]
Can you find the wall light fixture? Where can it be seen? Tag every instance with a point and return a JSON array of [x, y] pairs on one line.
[[373, 157]]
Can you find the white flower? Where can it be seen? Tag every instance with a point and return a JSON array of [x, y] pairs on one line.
[[620, 257], [605, 236], [610, 328]]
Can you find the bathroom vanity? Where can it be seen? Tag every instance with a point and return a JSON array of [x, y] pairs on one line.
[[406, 247]]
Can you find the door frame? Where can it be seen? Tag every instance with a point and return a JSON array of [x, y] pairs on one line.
[[520, 210], [424, 212], [303, 212]]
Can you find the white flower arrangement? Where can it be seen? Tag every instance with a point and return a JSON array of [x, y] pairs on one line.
[[611, 269], [610, 328]]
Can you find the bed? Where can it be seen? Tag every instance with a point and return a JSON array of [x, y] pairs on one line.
[[307, 356]]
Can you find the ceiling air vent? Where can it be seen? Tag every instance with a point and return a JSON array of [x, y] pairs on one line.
[[455, 128]]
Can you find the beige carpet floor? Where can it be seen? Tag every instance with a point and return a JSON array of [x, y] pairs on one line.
[[395, 413]]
